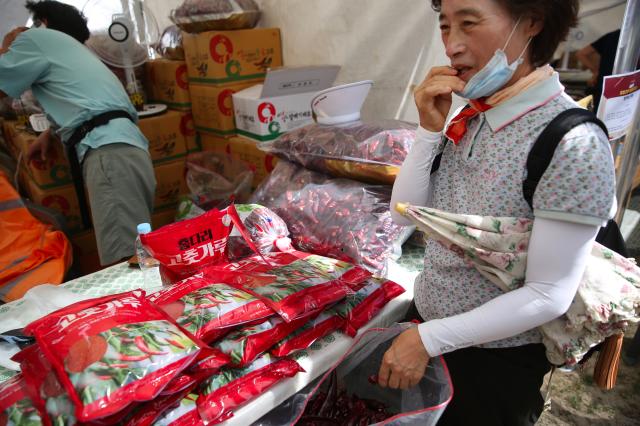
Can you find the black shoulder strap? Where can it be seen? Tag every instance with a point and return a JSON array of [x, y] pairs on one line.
[[544, 147]]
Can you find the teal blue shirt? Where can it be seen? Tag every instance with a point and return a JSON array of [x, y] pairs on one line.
[[71, 84]]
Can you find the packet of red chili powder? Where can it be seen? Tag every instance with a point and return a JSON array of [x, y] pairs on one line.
[[152, 412], [118, 350], [183, 248], [16, 406], [303, 337], [245, 345], [360, 307], [185, 413], [295, 284], [44, 388], [206, 308], [232, 387]]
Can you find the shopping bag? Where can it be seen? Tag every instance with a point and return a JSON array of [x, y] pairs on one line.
[[349, 394]]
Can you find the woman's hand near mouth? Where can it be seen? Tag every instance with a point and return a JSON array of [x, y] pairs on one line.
[[434, 96]]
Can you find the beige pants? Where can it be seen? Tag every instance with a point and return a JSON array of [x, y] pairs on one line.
[[121, 186]]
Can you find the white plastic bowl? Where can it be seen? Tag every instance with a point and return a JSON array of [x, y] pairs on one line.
[[340, 104]]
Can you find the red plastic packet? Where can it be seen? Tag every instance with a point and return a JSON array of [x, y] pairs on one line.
[[206, 308], [184, 413], [232, 387], [245, 345], [16, 406], [44, 388], [267, 230], [112, 351], [296, 284], [208, 363], [360, 307], [325, 323], [183, 248], [182, 382], [154, 412]]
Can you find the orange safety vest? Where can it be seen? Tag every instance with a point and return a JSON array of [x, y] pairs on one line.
[[30, 252]]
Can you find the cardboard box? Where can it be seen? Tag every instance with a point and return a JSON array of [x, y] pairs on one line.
[[8, 132], [213, 108], [222, 57], [84, 243], [50, 173], [61, 198], [283, 103], [245, 150], [170, 180], [167, 83], [165, 135], [162, 218], [171, 183]]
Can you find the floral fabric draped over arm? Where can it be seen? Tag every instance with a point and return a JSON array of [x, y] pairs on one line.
[[608, 296]]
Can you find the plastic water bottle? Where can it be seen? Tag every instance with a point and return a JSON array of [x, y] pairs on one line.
[[149, 266]]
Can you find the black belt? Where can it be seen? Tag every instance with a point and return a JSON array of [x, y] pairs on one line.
[[76, 171]]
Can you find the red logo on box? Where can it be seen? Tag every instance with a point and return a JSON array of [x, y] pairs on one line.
[[225, 102], [186, 125], [181, 77], [266, 112], [220, 48]]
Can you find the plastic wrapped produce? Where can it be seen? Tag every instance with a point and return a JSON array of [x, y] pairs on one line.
[[333, 217], [267, 230], [16, 407], [170, 44], [215, 180], [293, 284], [366, 151], [231, 387], [348, 394], [111, 351], [208, 308], [196, 16]]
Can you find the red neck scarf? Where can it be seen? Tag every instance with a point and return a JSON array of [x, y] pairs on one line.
[[458, 126]]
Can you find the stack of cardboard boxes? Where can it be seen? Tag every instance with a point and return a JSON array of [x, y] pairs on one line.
[[48, 182], [220, 64]]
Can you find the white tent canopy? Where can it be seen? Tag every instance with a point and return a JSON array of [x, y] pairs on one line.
[[393, 42]]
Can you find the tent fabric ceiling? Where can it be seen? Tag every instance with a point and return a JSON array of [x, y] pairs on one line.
[[391, 42]]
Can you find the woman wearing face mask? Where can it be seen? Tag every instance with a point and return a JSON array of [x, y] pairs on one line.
[[499, 51]]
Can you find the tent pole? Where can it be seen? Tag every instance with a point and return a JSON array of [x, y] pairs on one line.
[[627, 56]]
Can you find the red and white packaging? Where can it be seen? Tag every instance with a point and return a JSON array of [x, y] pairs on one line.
[[232, 387], [293, 284], [208, 308], [245, 345], [152, 412], [16, 405], [112, 351], [303, 337], [184, 248], [360, 307]]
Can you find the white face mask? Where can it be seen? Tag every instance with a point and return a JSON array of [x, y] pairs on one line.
[[495, 74]]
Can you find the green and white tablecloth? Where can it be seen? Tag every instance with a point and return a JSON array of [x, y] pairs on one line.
[[315, 360]]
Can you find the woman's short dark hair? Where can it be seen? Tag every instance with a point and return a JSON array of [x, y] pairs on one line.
[[558, 16], [61, 17]]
